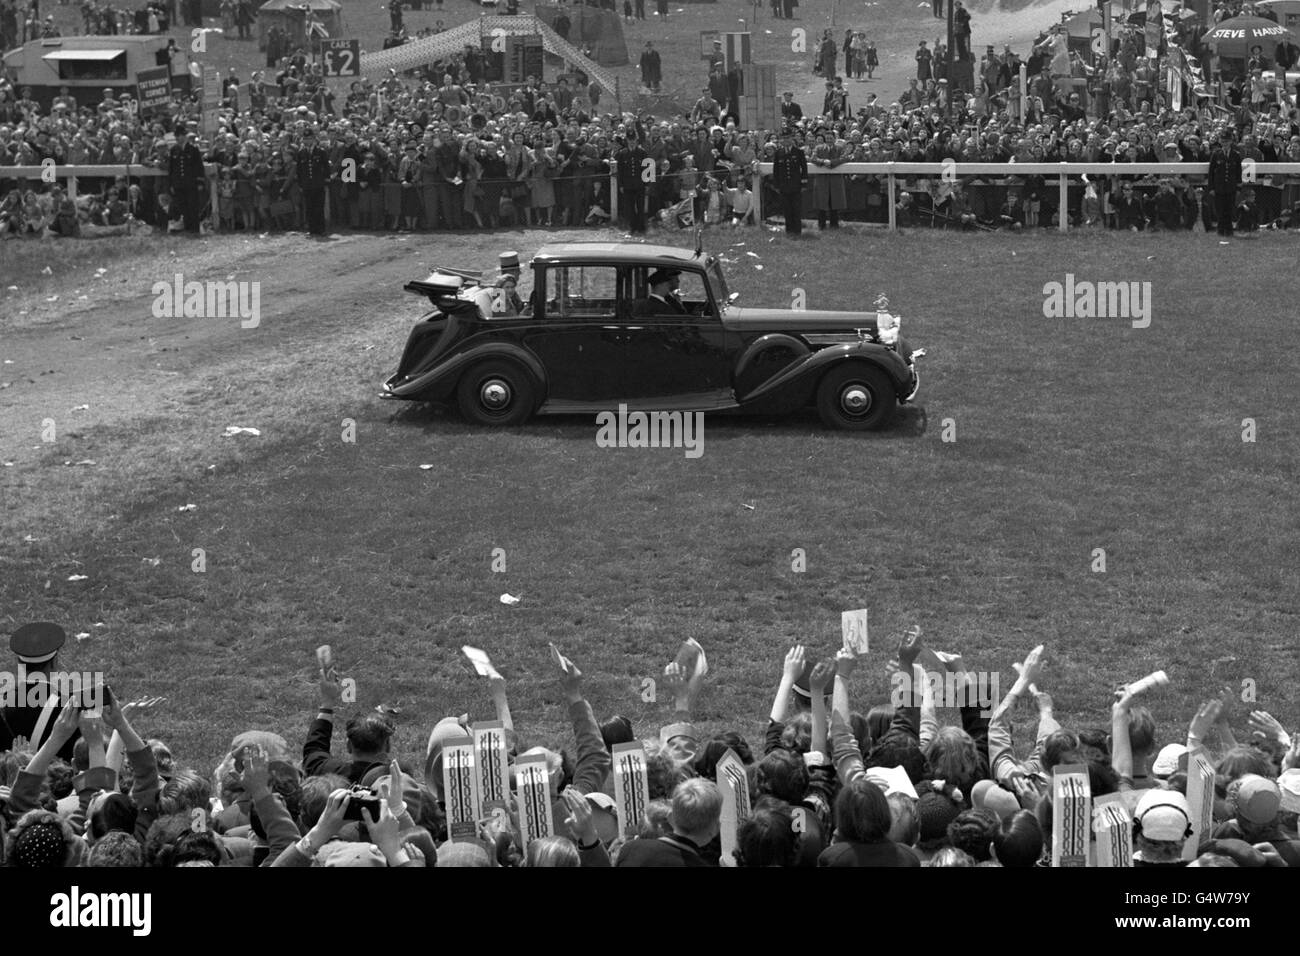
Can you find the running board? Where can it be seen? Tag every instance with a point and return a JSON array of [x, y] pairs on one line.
[[718, 401]]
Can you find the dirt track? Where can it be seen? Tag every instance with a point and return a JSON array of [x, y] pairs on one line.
[[108, 351]]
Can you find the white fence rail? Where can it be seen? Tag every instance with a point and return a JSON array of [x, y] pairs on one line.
[[71, 173], [1063, 173]]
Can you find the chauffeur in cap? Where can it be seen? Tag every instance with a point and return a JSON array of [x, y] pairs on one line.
[[662, 299], [37, 648]]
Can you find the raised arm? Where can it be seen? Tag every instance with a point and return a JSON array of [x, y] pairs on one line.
[[27, 788], [593, 763], [144, 768], [790, 671], [845, 662], [281, 831], [1002, 761], [497, 687], [316, 749], [817, 682]]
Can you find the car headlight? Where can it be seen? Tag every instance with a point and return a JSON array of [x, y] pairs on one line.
[[887, 328]]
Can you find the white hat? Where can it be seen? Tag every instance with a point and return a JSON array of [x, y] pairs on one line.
[[1171, 759]]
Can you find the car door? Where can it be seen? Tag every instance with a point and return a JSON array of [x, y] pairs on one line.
[[670, 355], [579, 337]]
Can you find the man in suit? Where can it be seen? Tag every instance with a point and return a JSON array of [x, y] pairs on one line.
[[961, 31], [790, 175], [791, 112], [662, 299], [188, 181], [1225, 177], [38, 702], [313, 178], [631, 184], [651, 69]]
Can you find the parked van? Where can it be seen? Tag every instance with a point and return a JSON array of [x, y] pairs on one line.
[[89, 65]]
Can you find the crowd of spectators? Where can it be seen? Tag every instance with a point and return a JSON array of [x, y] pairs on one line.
[[838, 776], [443, 149]]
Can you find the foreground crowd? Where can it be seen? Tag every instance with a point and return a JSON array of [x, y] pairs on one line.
[[834, 782]]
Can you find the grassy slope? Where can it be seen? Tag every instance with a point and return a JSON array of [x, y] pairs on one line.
[[1071, 435]]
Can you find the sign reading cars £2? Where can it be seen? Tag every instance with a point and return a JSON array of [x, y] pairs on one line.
[[340, 57]]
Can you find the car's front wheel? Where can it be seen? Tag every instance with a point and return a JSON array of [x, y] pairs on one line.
[[496, 393], [857, 397]]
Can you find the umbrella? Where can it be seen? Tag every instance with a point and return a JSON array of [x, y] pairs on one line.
[[1235, 37]]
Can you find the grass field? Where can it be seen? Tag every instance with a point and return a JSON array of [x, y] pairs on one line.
[[1071, 435]]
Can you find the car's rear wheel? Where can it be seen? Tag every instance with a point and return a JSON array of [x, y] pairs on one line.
[[496, 393], [856, 397]]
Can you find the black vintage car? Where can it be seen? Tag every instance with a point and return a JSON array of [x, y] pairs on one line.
[[588, 336]]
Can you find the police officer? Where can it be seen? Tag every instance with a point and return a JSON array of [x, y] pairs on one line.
[[1225, 177], [790, 175], [188, 180], [631, 186], [313, 178], [33, 713]]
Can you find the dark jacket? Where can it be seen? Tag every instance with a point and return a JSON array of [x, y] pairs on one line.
[[880, 853], [631, 161], [1225, 170], [185, 165], [316, 757], [664, 851], [313, 167], [789, 170]]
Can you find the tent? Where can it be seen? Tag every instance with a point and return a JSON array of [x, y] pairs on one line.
[[1084, 25], [290, 16], [441, 46], [599, 30]]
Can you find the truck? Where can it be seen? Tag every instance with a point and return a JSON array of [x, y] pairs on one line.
[[88, 65]]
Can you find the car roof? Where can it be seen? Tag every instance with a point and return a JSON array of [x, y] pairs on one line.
[[638, 253]]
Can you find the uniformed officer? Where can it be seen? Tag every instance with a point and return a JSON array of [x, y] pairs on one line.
[[790, 175], [630, 160], [33, 713], [188, 180], [313, 178], [1225, 177]]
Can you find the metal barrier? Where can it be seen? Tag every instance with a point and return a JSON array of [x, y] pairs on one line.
[[1061, 171]]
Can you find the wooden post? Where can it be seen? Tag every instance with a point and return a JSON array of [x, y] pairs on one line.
[[1063, 211], [72, 186], [214, 194], [889, 200], [613, 193], [758, 196]]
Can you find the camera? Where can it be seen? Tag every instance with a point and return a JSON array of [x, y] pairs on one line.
[[361, 797]]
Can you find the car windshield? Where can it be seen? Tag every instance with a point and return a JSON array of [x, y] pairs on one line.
[[718, 283]]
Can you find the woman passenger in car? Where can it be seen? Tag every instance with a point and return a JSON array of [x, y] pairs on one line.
[[507, 301]]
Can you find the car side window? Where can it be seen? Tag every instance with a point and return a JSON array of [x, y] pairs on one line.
[[577, 291], [693, 293]]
